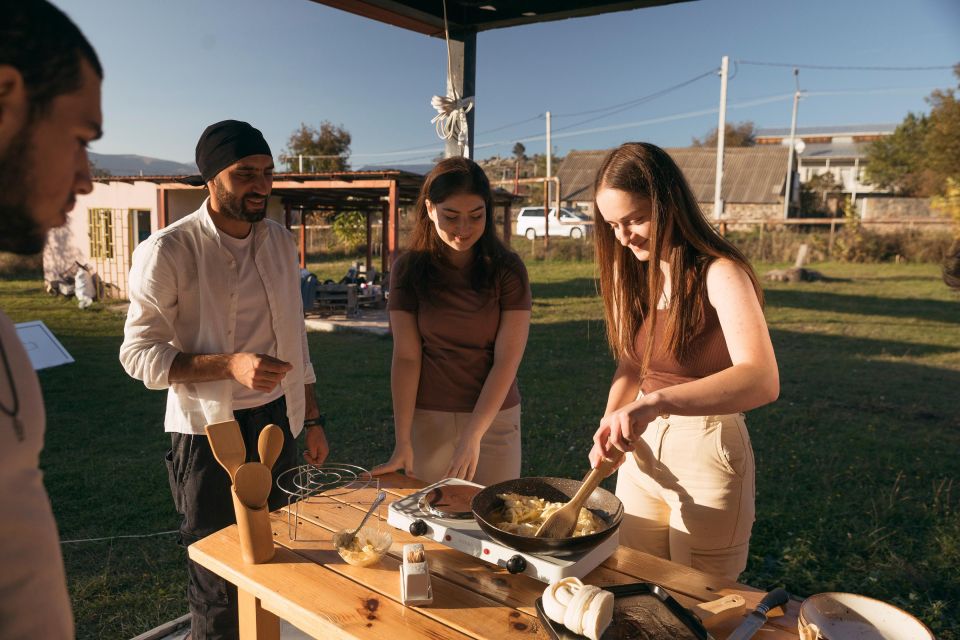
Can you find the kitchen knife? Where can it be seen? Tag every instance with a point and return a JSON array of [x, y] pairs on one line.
[[755, 620]]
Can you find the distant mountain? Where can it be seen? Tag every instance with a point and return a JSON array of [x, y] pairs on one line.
[[422, 168], [133, 165]]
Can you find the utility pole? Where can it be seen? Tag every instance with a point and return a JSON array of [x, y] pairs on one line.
[[721, 135], [546, 189], [793, 137]]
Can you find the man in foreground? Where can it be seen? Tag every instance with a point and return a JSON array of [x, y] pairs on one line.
[[216, 316], [49, 111]]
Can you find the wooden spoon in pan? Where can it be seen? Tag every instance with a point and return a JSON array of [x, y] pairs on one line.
[[562, 522]]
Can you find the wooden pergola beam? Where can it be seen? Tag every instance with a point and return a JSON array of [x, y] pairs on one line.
[[360, 185]]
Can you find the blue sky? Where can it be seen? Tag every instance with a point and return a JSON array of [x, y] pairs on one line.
[[175, 66]]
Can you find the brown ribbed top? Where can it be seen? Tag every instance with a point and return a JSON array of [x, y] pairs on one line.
[[708, 352], [458, 330]]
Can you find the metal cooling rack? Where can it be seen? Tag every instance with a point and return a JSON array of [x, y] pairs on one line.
[[329, 482]]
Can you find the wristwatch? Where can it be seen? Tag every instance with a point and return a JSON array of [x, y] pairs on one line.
[[319, 421]]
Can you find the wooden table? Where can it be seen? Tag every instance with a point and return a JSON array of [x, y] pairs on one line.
[[309, 585]]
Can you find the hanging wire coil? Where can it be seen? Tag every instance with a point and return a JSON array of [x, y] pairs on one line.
[[451, 118]]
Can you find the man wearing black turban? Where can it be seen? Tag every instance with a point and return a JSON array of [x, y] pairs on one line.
[[216, 318]]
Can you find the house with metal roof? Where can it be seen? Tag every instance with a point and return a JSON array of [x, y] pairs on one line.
[[753, 179], [838, 150]]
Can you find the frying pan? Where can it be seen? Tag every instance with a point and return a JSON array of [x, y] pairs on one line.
[[602, 503]]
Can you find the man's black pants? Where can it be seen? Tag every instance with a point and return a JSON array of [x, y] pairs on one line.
[[201, 494]]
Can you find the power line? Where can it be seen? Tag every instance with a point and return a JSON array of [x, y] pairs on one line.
[[863, 92], [637, 100], [826, 67], [632, 103], [539, 116]]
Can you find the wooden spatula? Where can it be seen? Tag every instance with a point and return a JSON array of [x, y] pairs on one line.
[[562, 522], [227, 444], [252, 483], [270, 444]]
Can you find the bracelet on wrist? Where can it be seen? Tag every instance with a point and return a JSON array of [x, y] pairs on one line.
[[319, 421]]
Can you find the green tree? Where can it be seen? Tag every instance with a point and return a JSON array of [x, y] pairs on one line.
[[942, 144], [815, 191], [519, 151], [897, 162], [323, 149], [350, 228], [735, 135], [922, 156]]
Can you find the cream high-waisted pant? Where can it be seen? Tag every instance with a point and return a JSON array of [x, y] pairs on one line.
[[688, 492], [435, 435]]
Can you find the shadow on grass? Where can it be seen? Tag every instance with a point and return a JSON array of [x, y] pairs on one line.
[[574, 288], [921, 309], [854, 467]]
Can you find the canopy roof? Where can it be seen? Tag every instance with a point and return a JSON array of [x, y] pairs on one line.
[[426, 16]]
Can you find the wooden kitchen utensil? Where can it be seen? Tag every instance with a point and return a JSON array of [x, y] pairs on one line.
[[715, 612], [252, 483], [253, 526], [227, 445], [562, 522], [270, 444], [251, 488]]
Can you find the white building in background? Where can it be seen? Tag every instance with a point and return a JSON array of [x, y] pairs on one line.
[[107, 224], [839, 150]]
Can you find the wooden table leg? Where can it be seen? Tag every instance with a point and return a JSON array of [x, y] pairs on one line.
[[256, 623]]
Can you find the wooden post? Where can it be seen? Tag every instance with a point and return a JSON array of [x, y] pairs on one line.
[[369, 241], [163, 203], [287, 215], [463, 65], [391, 229], [256, 623], [303, 239], [507, 224], [833, 226], [763, 224]]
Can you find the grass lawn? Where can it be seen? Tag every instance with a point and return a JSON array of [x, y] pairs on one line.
[[856, 462]]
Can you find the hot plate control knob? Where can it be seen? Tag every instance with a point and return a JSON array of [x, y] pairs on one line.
[[418, 528], [517, 564]]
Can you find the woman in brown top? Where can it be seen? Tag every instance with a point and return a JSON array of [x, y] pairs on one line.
[[460, 313], [685, 322]]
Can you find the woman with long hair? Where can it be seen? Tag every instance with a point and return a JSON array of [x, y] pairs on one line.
[[685, 322], [460, 313]]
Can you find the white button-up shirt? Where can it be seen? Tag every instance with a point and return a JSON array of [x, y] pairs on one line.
[[183, 298]]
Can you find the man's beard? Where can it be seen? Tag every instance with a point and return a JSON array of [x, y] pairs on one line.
[[234, 206], [19, 232]]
